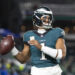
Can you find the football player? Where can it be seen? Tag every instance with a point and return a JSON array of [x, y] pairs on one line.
[[45, 46]]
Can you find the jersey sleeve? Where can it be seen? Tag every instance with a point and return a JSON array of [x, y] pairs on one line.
[[24, 37], [61, 33]]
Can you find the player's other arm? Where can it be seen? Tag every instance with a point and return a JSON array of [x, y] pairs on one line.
[[22, 56], [57, 53], [60, 44]]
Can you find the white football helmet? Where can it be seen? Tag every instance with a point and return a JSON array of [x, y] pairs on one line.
[[46, 14]]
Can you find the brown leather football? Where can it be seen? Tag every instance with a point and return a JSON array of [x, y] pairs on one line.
[[6, 44]]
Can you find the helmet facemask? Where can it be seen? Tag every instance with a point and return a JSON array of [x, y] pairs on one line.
[[43, 18], [46, 21]]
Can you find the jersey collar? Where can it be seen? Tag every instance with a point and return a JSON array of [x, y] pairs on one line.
[[41, 31]]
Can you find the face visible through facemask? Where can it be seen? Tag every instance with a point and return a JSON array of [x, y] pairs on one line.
[[45, 20]]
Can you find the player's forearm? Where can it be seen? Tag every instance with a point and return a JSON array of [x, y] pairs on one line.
[[60, 44], [21, 57]]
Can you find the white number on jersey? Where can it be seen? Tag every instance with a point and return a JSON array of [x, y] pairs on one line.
[[43, 55]]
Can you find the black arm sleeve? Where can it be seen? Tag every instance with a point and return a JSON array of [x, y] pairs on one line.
[[26, 43]]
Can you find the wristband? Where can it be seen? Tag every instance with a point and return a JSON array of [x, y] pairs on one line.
[[14, 51]]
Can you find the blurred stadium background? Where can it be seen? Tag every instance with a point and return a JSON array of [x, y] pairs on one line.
[[16, 18]]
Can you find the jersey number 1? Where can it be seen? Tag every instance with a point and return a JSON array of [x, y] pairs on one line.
[[43, 55]]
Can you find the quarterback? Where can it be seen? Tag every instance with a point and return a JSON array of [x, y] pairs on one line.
[[44, 46]]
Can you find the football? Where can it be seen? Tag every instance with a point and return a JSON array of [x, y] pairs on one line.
[[6, 44]]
